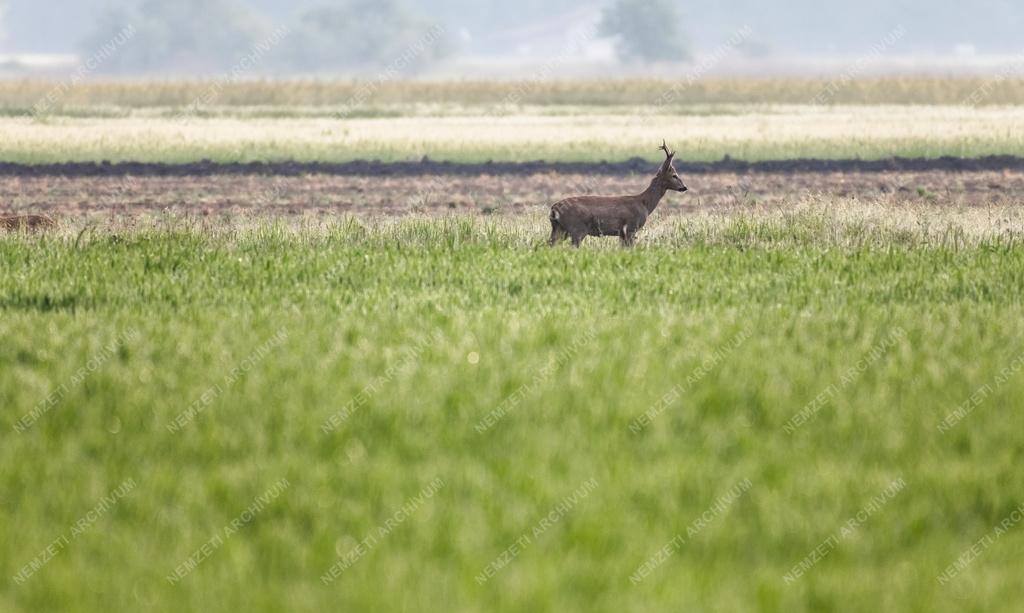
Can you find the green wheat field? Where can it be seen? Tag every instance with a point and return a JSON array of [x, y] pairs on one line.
[[800, 411]]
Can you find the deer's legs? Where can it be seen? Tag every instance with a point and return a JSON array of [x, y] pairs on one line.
[[558, 234], [577, 239], [627, 236]]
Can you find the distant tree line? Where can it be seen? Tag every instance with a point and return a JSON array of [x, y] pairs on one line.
[[208, 36], [645, 30], [214, 36]]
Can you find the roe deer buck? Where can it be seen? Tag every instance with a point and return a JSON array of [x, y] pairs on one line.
[[581, 216], [31, 223]]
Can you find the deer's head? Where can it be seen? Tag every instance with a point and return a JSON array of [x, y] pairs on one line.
[[667, 173]]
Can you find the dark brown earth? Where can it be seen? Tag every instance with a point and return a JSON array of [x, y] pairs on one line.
[[431, 168], [83, 195]]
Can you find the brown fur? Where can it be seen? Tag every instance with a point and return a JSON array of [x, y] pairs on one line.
[[31, 223], [581, 216]]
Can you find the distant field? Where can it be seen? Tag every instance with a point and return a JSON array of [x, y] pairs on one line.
[[365, 363], [476, 121], [753, 132], [22, 97]]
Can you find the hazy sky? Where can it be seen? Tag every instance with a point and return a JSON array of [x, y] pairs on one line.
[[787, 25], [513, 30]]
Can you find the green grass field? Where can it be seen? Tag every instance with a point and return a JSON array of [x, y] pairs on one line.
[[448, 415]]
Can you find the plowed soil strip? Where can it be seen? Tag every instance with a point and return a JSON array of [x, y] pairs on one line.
[[484, 194], [432, 168]]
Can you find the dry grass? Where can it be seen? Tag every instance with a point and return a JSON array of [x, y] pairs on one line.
[[840, 211], [22, 96], [763, 132]]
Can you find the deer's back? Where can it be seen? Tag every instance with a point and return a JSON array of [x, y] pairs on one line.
[[595, 212]]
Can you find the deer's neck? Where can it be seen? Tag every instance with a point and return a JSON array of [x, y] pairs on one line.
[[653, 195]]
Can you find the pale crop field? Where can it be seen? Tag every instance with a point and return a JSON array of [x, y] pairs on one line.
[[584, 134], [24, 96]]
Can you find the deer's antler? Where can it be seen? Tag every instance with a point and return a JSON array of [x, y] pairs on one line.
[[664, 147]]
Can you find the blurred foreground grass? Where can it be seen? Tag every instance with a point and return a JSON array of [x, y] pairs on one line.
[[456, 412]]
